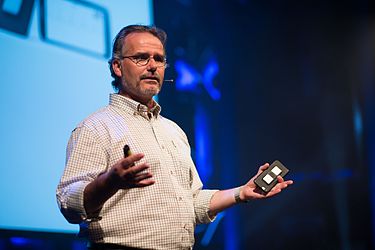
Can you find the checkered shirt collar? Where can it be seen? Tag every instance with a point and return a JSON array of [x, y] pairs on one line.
[[132, 106]]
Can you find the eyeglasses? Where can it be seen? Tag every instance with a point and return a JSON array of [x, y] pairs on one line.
[[143, 59]]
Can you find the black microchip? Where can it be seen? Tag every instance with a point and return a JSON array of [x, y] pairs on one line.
[[268, 178]]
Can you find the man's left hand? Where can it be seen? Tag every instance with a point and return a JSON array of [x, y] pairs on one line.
[[251, 191]]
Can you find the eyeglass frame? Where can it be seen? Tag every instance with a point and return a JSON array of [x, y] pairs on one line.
[[134, 59]]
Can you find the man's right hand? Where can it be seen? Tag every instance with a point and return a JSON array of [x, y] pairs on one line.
[[126, 174]]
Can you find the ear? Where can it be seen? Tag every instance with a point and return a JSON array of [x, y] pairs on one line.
[[116, 66]]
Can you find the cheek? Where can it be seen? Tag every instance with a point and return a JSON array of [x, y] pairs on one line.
[[130, 75], [161, 72]]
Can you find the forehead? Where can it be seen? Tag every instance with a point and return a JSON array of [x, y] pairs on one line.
[[142, 42]]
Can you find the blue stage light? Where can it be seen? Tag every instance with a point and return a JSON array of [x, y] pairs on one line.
[[203, 145], [20, 241], [188, 78], [209, 73]]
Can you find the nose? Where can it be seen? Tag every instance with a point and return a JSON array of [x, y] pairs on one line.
[[151, 66]]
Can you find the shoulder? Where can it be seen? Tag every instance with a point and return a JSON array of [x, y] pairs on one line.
[[98, 122], [97, 119]]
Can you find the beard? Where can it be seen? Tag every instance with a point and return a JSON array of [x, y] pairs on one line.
[[149, 91], [140, 92]]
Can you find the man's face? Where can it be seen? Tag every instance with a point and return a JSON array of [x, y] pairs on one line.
[[140, 83]]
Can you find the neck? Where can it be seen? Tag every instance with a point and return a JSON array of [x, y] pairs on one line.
[[150, 103]]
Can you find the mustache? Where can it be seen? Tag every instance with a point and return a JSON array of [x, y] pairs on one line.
[[153, 76]]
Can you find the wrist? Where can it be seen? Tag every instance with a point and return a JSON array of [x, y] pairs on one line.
[[238, 197]]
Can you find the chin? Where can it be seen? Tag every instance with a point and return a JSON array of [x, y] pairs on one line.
[[151, 92]]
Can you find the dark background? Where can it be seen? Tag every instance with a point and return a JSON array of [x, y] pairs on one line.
[[297, 84]]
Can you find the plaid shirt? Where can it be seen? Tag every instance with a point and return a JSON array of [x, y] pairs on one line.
[[160, 216]]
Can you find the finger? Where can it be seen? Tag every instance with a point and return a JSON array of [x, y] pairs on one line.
[[138, 168], [130, 173], [281, 179], [145, 183], [142, 176], [130, 160], [273, 192], [263, 167], [281, 186]]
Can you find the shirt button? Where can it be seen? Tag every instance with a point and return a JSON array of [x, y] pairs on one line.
[[172, 173], [180, 198]]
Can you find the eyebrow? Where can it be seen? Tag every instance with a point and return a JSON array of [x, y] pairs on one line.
[[148, 54]]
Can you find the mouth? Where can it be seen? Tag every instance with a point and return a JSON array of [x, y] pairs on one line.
[[151, 79]]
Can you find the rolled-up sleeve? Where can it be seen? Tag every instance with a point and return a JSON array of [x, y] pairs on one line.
[[202, 205], [202, 199], [85, 160]]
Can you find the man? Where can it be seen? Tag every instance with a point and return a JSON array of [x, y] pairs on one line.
[[147, 200]]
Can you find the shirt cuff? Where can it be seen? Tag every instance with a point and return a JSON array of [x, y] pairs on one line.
[[202, 206], [73, 207]]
